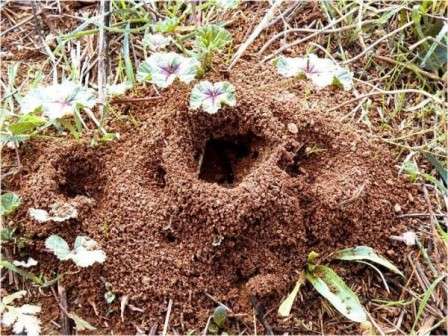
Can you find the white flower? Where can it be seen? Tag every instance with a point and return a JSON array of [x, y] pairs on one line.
[[156, 41], [163, 68], [322, 71], [58, 100], [212, 96]]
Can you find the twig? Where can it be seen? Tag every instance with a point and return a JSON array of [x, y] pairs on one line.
[[102, 45], [411, 67], [280, 50], [167, 318], [382, 92], [133, 100], [65, 321], [310, 30], [385, 37], [29, 18], [258, 29]]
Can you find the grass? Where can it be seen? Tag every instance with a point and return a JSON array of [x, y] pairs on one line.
[[400, 93]]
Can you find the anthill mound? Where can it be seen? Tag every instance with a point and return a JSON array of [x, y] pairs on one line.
[[230, 204]]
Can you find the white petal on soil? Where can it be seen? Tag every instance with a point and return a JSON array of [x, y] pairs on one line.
[[29, 263], [409, 238], [39, 215]]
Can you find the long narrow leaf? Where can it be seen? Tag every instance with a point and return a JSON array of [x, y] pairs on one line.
[[285, 307], [425, 299], [127, 59], [27, 275], [365, 253], [334, 289], [443, 172]]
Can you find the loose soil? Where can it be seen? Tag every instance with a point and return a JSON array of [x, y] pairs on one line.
[[187, 204]]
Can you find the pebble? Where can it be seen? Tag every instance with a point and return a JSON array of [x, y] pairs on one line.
[[293, 128], [397, 208]]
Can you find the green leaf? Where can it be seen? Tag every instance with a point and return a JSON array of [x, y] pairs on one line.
[[14, 296], [25, 274], [80, 324], [167, 25], [26, 124], [127, 59], [220, 316], [285, 307], [58, 246], [425, 299], [436, 56], [212, 38], [9, 203], [365, 253], [443, 172], [334, 289]]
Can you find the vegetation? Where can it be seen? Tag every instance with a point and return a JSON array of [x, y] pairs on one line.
[[391, 55]]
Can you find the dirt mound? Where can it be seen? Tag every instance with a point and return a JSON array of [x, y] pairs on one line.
[[227, 204]]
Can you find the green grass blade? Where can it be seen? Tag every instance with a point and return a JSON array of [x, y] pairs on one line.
[[365, 253], [334, 289], [127, 59], [27, 275], [424, 301], [443, 172]]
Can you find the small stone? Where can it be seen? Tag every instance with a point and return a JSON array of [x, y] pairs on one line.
[[390, 182], [397, 208], [293, 128]]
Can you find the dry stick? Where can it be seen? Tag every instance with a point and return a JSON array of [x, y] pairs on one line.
[[258, 29], [409, 67], [308, 37], [382, 92], [29, 18], [167, 318], [102, 44], [65, 321], [309, 30], [133, 100], [385, 37]]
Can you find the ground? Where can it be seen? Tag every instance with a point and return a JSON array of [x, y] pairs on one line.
[[195, 210]]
